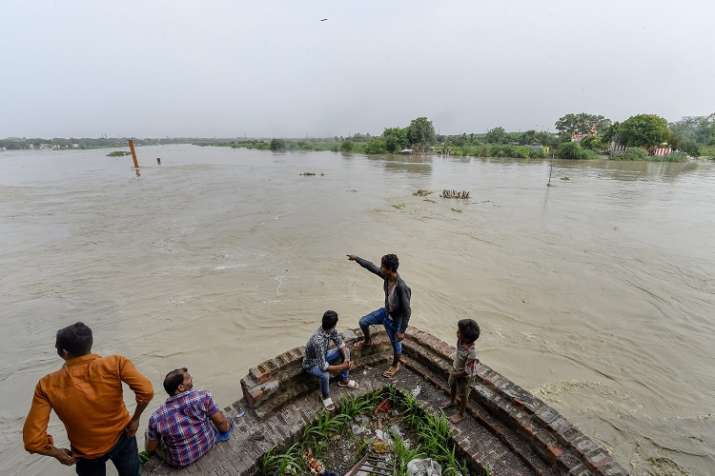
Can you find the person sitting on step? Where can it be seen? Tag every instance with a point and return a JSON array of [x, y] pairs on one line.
[[188, 424], [322, 363]]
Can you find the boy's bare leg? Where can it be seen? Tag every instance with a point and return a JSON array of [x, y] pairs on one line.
[[462, 408], [452, 398]]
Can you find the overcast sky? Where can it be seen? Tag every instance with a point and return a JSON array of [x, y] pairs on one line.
[[267, 68]]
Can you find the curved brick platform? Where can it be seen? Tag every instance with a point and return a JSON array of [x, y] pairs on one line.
[[508, 430]]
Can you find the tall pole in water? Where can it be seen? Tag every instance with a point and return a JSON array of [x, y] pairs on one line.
[[134, 156]]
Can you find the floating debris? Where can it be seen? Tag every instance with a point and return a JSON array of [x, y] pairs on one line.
[[463, 195], [422, 193], [311, 174], [399, 206], [429, 200], [565, 179], [456, 210]]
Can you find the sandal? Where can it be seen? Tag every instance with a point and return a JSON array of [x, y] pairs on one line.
[[352, 384], [391, 372], [328, 404]]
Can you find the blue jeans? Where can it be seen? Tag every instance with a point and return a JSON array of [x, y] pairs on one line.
[[334, 356], [380, 317], [124, 455]]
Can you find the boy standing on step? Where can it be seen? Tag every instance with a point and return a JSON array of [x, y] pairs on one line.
[[464, 367]]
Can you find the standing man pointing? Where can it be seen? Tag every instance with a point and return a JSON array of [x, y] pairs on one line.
[[395, 315]]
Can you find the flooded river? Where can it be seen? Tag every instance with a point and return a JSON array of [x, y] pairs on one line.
[[597, 293]]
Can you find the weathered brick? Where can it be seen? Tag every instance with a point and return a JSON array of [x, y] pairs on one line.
[[585, 445]]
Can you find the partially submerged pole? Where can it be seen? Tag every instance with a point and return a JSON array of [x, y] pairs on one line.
[[134, 156], [551, 166]]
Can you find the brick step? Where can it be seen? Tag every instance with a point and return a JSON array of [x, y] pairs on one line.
[[498, 429], [555, 439]]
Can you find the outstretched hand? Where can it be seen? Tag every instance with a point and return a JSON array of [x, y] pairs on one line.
[[351, 257]]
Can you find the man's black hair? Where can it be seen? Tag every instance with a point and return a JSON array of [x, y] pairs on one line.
[[75, 339], [173, 379], [391, 262], [330, 319], [469, 330]]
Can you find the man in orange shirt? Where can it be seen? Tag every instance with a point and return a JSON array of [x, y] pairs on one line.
[[86, 394]]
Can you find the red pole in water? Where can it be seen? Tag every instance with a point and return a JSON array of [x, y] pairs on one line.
[[134, 156]]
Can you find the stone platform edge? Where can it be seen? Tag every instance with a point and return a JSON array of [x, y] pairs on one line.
[[275, 382]]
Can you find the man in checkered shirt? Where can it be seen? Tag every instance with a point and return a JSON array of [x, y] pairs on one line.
[[188, 424]]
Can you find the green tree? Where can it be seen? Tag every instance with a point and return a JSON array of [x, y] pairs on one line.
[[693, 131], [572, 151], [395, 139], [420, 133], [582, 123], [644, 130], [528, 137], [346, 146], [496, 136], [278, 145], [375, 146], [611, 133]]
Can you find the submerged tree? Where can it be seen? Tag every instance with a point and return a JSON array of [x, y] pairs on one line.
[[278, 145], [395, 138], [420, 133]]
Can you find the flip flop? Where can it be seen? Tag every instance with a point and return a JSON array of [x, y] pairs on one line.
[[390, 373]]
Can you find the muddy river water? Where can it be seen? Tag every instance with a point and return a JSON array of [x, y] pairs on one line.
[[597, 294]]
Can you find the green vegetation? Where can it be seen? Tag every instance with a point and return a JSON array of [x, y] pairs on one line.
[[118, 153], [420, 134], [707, 151], [432, 436], [638, 153], [395, 139], [574, 151], [631, 153], [582, 124], [376, 146], [643, 130], [693, 135], [278, 145], [81, 143]]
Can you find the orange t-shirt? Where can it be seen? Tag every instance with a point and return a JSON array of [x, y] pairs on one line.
[[86, 394]]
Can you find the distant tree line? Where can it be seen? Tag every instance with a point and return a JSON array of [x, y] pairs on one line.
[[577, 136]]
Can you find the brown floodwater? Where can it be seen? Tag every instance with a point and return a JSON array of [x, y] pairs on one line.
[[597, 294]]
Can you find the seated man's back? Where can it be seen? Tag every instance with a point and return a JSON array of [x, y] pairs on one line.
[[183, 425]]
